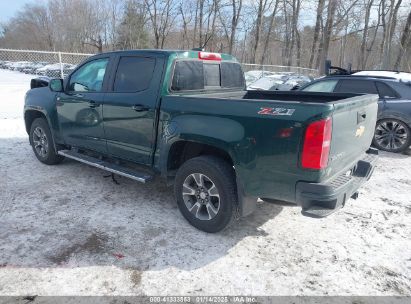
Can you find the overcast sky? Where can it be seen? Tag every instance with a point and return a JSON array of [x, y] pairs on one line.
[[9, 7]]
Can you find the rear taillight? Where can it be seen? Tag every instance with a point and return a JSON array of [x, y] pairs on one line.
[[317, 142], [209, 56]]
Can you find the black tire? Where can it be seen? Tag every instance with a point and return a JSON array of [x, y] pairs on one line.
[[40, 137], [392, 135], [220, 174]]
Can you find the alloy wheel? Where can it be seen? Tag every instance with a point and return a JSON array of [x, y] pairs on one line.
[[40, 142], [391, 135], [201, 196]]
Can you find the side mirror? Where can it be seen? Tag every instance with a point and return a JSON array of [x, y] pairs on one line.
[[56, 85], [38, 83]]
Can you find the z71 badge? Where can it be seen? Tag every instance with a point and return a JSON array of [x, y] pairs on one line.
[[276, 111]]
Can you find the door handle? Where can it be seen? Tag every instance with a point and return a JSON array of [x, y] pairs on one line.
[[93, 104], [140, 108], [78, 95]]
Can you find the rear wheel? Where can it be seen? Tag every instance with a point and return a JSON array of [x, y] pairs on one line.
[[42, 142], [392, 135], [206, 192]]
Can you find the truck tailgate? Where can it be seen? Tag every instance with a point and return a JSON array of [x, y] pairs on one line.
[[353, 124]]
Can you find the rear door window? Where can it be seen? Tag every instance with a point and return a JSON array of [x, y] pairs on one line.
[[134, 74], [326, 86], [385, 91], [356, 86]]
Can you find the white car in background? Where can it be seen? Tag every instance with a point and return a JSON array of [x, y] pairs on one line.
[[54, 70], [406, 77], [254, 75], [15, 66], [279, 82], [268, 83]]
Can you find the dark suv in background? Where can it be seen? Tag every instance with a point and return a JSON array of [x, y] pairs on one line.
[[393, 128]]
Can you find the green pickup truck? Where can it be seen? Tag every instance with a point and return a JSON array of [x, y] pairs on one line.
[[186, 116]]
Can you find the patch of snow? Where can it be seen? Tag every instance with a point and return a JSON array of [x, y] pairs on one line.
[[63, 229]]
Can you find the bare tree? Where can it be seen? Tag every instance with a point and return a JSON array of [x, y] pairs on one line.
[[262, 4], [320, 9], [405, 41], [201, 20], [132, 32], [186, 19], [161, 13], [372, 43], [389, 28], [332, 5], [296, 5], [366, 33], [270, 29], [368, 6], [236, 6]]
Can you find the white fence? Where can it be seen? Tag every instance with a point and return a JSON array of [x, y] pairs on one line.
[[59, 64]]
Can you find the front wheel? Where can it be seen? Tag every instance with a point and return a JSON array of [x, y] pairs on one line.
[[42, 142], [392, 135], [206, 192]]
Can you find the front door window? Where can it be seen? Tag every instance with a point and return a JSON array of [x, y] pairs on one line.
[[89, 77]]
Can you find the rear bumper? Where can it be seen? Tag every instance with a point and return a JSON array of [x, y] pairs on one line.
[[322, 199]]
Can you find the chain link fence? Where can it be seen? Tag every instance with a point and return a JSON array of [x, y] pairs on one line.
[[280, 69], [40, 63], [277, 77], [60, 64]]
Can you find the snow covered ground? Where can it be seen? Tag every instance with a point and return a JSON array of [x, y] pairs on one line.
[[67, 230]]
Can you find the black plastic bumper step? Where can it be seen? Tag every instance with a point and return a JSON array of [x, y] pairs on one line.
[[142, 177]]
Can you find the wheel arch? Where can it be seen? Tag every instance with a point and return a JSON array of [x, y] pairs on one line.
[[182, 150], [395, 115], [30, 115]]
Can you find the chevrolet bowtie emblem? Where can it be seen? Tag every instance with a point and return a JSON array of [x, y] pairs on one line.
[[360, 131]]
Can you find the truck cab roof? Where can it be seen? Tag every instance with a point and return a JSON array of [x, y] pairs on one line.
[[176, 53]]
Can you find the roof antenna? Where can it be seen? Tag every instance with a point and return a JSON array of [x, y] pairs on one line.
[[349, 68], [201, 48], [208, 39]]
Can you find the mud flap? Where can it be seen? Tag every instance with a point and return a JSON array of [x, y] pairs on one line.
[[246, 204]]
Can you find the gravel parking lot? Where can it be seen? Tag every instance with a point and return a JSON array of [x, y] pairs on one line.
[[69, 230]]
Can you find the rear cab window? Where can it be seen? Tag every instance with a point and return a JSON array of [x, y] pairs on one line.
[[204, 75]]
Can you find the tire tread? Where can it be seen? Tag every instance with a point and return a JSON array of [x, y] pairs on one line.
[[52, 158], [226, 175]]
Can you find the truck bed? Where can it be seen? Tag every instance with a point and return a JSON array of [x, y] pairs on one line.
[[279, 96], [264, 132]]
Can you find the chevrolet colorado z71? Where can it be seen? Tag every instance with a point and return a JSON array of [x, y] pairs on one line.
[[185, 115]]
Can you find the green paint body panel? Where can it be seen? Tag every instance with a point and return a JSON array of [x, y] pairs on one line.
[[265, 149]]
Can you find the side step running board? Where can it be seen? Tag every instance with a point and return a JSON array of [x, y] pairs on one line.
[[95, 162]]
